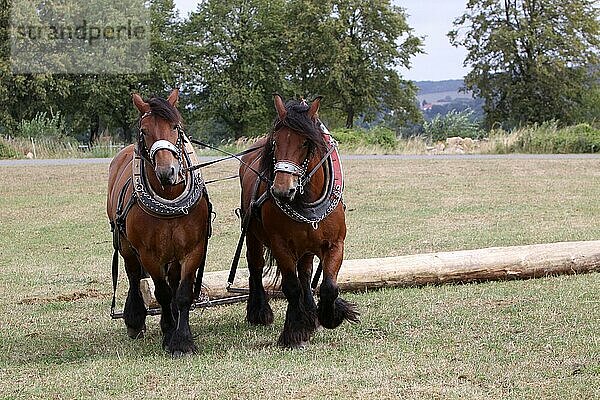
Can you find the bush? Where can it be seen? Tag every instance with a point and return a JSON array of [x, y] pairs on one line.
[[452, 124], [7, 150], [42, 126], [549, 138], [378, 136]]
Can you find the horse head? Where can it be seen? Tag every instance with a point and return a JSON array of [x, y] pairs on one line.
[[159, 137], [295, 139]]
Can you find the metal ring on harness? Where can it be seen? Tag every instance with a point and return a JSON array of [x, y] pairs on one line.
[[163, 145]]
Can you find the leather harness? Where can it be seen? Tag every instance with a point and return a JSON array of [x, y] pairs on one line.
[[151, 203], [310, 213]]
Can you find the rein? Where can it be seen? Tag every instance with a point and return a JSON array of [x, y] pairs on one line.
[[237, 156]]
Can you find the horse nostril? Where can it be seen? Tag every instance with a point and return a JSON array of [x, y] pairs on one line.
[[172, 171], [291, 193]]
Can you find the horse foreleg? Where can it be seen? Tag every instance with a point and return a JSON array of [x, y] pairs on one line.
[[162, 292], [299, 323], [258, 310], [305, 269], [333, 310], [182, 341], [173, 279], [134, 312]]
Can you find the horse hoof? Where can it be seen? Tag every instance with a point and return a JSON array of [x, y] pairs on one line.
[[299, 340], [179, 353], [181, 349], [294, 346], [262, 316], [136, 333]]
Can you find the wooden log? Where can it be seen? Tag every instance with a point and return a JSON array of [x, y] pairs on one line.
[[496, 263]]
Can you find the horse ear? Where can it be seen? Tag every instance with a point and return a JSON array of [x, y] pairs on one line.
[[280, 106], [140, 104], [173, 97], [314, 107]]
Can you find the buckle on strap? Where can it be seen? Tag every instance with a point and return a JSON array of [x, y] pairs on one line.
[[163, 145], [289, 167]]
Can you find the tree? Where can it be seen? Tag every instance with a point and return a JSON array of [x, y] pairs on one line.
[[364, 79], [532, 60], [351, 50], [235, 51], [89, 101]]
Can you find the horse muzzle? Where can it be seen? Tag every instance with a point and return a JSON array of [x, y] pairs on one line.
[[167, 175], [285, 187]]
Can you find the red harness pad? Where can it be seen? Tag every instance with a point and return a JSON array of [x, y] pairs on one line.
[[338, 172]]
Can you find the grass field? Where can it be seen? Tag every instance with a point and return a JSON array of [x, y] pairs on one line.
[[517, 340]]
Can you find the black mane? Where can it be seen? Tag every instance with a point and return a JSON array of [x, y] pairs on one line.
[[298, 120], [164, 110]]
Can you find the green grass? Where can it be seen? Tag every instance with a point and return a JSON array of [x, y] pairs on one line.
[[520, 339]]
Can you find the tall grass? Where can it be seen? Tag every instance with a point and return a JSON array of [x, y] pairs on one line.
[[455, 123], [48, 147], [547, 138]]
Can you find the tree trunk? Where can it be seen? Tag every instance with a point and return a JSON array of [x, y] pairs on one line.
[[496, 263], [350, 117], [94, 128]]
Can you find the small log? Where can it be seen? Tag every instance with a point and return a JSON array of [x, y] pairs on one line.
[[495, 263]]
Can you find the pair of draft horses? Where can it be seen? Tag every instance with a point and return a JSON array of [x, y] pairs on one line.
[[172, 248]]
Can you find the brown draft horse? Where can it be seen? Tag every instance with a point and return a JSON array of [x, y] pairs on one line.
[[170, 249], [296, 143]]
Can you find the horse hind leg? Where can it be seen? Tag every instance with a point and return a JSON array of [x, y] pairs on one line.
[[258, 310], [333, 310], [134, 312]]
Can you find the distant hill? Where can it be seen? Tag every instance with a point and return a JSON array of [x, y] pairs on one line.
[[441, 97], [441, 91], [452, 85]]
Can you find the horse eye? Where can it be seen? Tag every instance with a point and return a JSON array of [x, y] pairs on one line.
[[305, 144]]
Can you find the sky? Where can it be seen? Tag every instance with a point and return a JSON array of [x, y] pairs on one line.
[[431, 19]]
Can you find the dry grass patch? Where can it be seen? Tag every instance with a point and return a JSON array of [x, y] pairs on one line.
[[515, 340]]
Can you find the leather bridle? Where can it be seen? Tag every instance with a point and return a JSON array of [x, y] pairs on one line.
[[162, 144], [290, 167]]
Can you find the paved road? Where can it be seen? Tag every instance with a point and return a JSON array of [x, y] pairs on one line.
[[81, 161]]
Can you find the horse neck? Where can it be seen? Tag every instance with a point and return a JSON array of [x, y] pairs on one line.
[[314, 188], [167, 192]]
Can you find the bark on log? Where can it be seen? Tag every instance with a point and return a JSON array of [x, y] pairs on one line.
[[496, 263]]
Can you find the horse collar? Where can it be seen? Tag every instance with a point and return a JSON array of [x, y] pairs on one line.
[[159, 207]]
